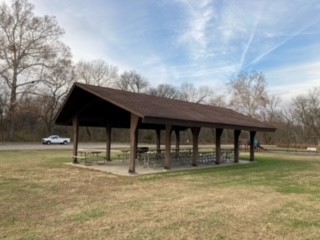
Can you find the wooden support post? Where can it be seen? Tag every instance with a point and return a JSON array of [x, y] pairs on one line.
[[177, 132], [167, 157], [252, 135], [236, 145], [75, 128], [136, 141], [158, 140], [134, 126], [108, 146], [218, 144], [195, 142]]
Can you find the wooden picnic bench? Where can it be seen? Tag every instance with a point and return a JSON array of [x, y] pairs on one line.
[[90, 155]]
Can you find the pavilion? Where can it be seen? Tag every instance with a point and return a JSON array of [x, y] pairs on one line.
[[88, 105]]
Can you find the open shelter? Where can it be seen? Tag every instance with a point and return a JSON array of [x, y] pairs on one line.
[[88, 105]]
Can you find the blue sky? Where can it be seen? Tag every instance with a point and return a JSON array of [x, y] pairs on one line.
[[204, 42]]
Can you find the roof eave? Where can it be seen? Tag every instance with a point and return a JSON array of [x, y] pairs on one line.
[[63, 105], [110, 100], [185, 123]]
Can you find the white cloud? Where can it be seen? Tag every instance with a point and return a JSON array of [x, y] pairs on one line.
[[199, 41], [200, 15]]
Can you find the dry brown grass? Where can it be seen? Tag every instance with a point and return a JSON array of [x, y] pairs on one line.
[[41, 198]]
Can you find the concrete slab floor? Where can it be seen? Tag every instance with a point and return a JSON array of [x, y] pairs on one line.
[[121, 168]]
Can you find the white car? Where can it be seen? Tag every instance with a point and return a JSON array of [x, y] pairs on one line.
[[55, 139]]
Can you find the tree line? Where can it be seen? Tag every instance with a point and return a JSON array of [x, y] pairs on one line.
[[37, 71]]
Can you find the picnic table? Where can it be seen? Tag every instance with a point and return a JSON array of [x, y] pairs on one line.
[[91, 155], [125, 153]]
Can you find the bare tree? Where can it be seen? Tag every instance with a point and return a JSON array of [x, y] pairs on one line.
[[188, 92], [164, 91], [219, 101], [96, 72], [307, 109], [57, 83], [288, 127], [249, 93], [4, 93], [28, 122], [27, 43], [132, 81], [270, 111]]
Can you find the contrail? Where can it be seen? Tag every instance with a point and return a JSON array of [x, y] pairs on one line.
[[252, 35], [282, 43]]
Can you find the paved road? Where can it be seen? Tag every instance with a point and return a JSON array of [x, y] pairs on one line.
[[98, 145], [39, 146]]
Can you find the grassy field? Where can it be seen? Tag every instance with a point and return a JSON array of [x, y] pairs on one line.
[[276, 198]]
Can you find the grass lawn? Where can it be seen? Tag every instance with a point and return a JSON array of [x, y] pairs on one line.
[[276, 198]]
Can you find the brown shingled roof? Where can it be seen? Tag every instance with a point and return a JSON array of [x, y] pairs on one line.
[[112, 105]]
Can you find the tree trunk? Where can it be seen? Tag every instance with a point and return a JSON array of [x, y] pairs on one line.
[[12, 109]]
